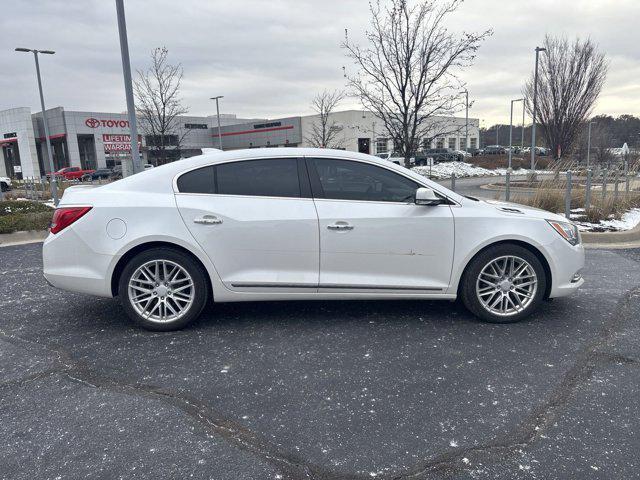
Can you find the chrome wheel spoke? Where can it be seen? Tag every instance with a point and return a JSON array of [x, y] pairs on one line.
[[506, 285], [161, 291]]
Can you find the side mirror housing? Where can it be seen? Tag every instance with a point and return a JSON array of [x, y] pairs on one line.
[[426, 196]]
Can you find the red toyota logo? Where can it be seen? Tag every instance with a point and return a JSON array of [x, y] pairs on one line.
[[92, 122]]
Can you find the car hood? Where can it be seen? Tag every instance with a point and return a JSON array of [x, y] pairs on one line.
[[509, 208]]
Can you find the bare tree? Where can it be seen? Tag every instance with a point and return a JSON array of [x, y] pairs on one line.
[[324, 131], [570, 79], [157, 93], [407, 73]]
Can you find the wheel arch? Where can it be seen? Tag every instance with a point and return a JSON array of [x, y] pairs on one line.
[[532, 248], [135, 250]]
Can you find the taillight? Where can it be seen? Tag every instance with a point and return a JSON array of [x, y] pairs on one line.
[[65, 216]]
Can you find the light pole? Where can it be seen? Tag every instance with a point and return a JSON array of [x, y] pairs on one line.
[[374, 148], [466, 120], [522, 132], [497, 130], [218, 113], [535, 106], [128, 88], [589, 144], [511, 129], [52, 178]]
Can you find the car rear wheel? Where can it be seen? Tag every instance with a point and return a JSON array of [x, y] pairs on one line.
[[163, 289], [503, 284]]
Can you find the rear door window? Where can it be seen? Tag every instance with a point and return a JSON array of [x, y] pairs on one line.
[[276, 177]]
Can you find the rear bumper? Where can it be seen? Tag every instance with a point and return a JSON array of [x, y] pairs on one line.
[[70, 264]]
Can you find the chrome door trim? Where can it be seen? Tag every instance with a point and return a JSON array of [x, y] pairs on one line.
[[332, 286]]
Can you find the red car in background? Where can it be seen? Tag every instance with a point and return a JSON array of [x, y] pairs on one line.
[[72, 173]]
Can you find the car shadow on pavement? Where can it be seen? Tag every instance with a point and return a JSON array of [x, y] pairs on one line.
[[216, 315]]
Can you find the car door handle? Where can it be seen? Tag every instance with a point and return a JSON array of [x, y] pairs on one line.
[[207, 220], [340, 226]]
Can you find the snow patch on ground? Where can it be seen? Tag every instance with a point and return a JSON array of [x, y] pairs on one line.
[[463, 169], [628, 221]]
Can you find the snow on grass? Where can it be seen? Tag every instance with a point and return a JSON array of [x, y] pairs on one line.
[[628, 221], [462, 169]]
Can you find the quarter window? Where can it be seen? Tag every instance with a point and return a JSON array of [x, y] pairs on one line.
[[201, 180], [348, 180]]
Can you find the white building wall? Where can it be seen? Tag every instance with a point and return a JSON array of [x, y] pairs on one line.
[[355, 124], [18, 120]]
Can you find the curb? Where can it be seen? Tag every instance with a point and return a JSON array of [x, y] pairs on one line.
[[608, 238], [21, 238]]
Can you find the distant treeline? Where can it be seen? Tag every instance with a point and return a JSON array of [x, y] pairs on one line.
[[606, 131]]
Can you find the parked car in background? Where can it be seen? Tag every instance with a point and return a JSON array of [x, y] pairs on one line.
[[494, 150], [543, 152], [303, 224], [539, 151], [99, 174], [463, 153], [72, 173], [5, 184], [396, 158], [438, 155]]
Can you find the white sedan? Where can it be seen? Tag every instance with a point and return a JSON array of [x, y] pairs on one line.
[[302, 224]]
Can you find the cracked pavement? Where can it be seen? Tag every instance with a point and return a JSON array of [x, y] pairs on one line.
[[320, 390]]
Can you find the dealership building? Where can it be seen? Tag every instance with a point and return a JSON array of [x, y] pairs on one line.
[[355, 130], [96, 139]]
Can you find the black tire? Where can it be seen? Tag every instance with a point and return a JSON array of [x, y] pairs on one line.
[[468, 282], [192, 267], [4, 187]]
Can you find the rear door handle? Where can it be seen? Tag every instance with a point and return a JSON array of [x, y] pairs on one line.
[[207, 220], [340, 226]]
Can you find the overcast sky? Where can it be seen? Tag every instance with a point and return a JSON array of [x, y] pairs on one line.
[[269, 58]]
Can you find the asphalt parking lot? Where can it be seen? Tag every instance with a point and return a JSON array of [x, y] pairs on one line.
[[320, 390]]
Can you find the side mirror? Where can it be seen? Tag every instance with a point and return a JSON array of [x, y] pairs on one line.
[[426, 196]]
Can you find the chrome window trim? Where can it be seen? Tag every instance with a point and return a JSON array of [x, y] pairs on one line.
[[454, 203]]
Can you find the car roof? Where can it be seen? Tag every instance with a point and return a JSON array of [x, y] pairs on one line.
[[160, 179]]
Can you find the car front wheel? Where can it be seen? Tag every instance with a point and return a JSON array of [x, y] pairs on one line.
[[504, 284], [163, 289]]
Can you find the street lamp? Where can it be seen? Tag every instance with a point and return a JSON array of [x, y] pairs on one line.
[[218, 113], [54, 186], [589, 144], [511, 129], [466, 120], [535, 106], [497, 130]]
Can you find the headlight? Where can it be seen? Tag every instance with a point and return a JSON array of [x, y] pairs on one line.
[[567, 230]]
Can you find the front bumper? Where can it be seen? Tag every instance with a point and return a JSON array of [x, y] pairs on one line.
[[566, 263]]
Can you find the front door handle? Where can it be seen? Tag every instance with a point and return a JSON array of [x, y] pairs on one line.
[[340, 226], [207, 220]]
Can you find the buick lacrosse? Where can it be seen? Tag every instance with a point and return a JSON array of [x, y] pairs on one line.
[[302, 224]]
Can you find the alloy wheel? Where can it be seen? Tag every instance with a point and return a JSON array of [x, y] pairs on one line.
[[506, 285], [161, 291]]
